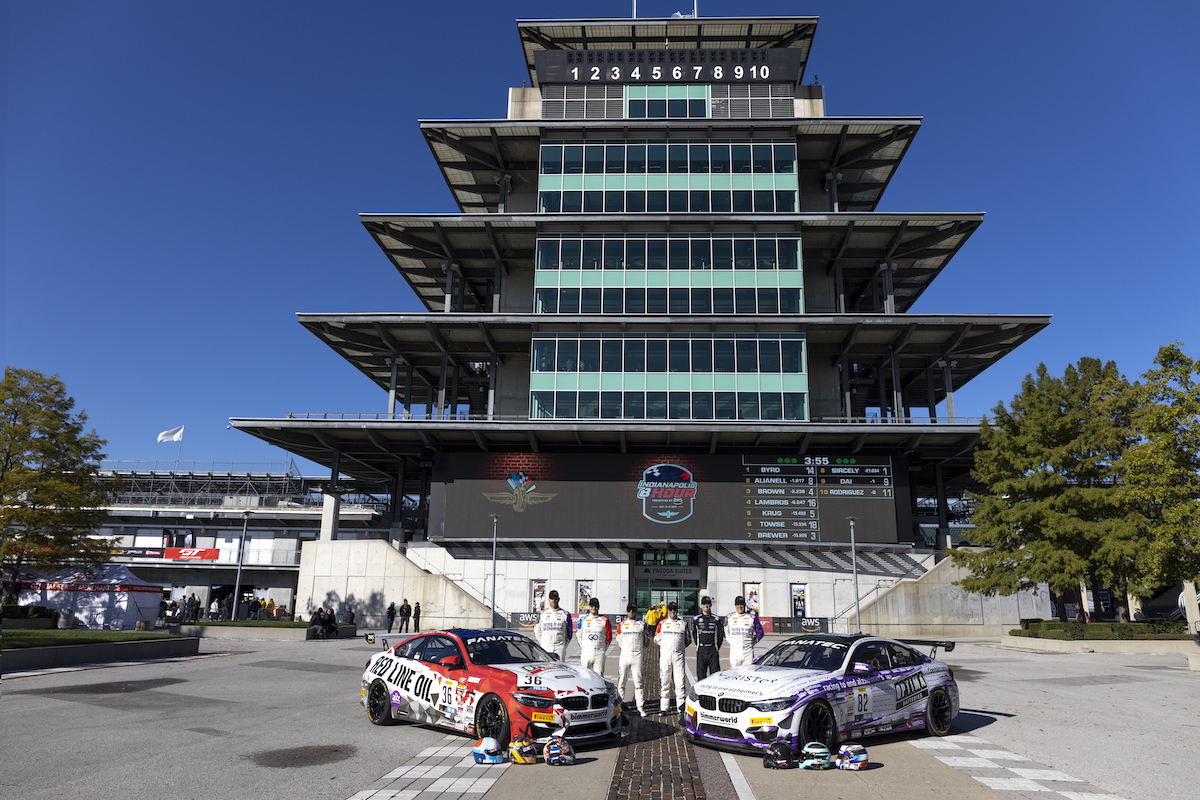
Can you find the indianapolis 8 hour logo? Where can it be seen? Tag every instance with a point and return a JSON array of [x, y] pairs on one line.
[[667, 492]]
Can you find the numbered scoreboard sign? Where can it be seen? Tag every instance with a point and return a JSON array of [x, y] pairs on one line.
[[768, 65]]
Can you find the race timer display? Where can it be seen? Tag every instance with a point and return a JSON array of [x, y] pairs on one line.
[[784, 497]]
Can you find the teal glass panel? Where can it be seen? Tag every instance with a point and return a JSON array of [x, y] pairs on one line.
[[747, 383], [593, 182], [610, 381], [613, 277], [677, 182], [550, 183], [679, 278], [656, 381], [702, 382], [572, 183], [635, 381], [589, 381], [724, 382], [546, 279], [635, 183], [656, 91], [656, 183], [679, 382], [541, 380], [795, 383], [723, 182], [656, 278], [743, 181], [770, 382], [567, 381]]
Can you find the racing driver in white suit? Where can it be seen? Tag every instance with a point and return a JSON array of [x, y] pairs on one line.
[[673, 636], [743, 630], [632, 635], [595, 635], [554, 629]]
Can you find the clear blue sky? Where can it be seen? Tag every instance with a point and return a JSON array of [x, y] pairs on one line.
[[182, 178]]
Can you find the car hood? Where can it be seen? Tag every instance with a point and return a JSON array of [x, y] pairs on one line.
[[558, 677], [752, 681]]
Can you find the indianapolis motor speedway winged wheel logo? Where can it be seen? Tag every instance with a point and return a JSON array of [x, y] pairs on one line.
[[522, 494]]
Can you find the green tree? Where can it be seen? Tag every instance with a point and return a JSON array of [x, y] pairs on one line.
[[1054, 507], [52, 498], [1163, 469]]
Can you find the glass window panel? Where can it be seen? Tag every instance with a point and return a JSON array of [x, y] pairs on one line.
[[788, 251], [572, 202], [637, 109], [741, 158], [611, 355], [764, 252], [541, 405], [543, 356], [610, 405], [593, 159], [678, 301], [702, 405], [785, 159], [720, 158], [743, 254], [614, 202], [678, 249], [793, 405], [678, 201], [570, 253], [635, 356], [656, 254], [722, 301], [656, 158], [677, 157], [547, 254], [743, 301], [593, 202], [568, 301], [552, 156], [564, 405], [791, 356], [547, 301], [589, 355], [747, 355], [612, 301], [722, 254], [589, 405], [762, 159], [772, 405], [747, 405], [573, 160], [743, 202], [698, 154], [614, 159], [702, 355], [701, 249], [764, 202], [590, 301], [726, 405], [656, 301], [635, 301], [701, 301], [723, 360], [697, 109], [768, 301], [722, 202], [680, 350], [789, 301], [677, 109], [614, 254], [768, 355], [656, 109], [656, 405], [656, 355], [635, 202], [681, 405], [635, 159], [656, 202], [785, 201], [635, 254], [593, 253], [550, 202], [699, 200], [568, 355], [635, 405]]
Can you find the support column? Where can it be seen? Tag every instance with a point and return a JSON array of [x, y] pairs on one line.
[[332, 505], [947, 365], [454, 391], [840, 279], [883, 401], [889, 289], [503, 182], [491, 394], [931, 399], [391, 406], [897, 391], [831, 178], [943, 509], [449, 296], [408, 386], [398, 497], [847, 398], [497, 279], [441, 397]]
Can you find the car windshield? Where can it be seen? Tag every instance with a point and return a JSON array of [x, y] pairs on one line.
[[500, 649], [806, 654]]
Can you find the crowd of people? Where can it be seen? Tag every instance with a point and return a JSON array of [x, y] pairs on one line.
[[191, 609], [404, 613]]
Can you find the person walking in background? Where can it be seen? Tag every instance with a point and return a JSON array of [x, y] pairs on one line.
[[709, 634], [417, 618], [632, 636], [744, 631], [213, 607], [405, 613], [672, 636], [553, 629], [270, 612], [391, 615], [595, 635]]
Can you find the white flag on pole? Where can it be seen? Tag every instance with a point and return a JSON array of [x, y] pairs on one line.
[[173, 435]]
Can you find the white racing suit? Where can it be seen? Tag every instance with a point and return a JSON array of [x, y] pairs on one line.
[[553, 630], [631, 634], [743, 632], [673, 637], [595, 634]]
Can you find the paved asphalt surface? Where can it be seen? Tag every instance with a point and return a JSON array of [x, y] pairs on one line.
[[276, 719]]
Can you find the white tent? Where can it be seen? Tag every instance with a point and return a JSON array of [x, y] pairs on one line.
[[110, 597]]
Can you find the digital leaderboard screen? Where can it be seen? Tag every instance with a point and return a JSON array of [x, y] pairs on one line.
[[729, 498]]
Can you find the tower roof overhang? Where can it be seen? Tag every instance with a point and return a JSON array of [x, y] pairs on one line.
[[673, 33]]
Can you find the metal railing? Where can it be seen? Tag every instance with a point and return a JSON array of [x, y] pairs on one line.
[[463, 416], [201, 467]]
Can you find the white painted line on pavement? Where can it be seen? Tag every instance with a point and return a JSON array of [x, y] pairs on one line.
[[999, 755], [967, 762], [1044, 775], [1090, 796], [1012, 784], [736, 777]]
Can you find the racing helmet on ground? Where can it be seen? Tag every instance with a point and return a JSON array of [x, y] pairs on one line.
[[779, 756], [557, 753], [815, 756], [488, 751], [522, 750], [851, 756]]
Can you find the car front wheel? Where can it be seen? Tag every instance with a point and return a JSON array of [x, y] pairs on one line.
[[491, 719], [379, 704], [938, 713], [817, 724]]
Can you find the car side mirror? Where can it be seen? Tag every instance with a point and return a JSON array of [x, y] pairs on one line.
[[861, 668], [453, 662]]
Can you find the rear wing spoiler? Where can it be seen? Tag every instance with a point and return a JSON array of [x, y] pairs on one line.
[[931, 643]]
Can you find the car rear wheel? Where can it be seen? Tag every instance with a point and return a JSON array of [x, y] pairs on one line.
[[938, 713], [491, 719], [379, 704], [817, 724]]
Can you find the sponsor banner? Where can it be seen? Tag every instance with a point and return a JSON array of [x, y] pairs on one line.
[[911, 690], [193, 553], [669, 573], [810, 624], [88, 587], [140, 552]]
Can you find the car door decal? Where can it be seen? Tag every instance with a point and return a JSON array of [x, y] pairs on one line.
[[910, 690]]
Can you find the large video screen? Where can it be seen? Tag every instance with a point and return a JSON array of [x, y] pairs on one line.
[[730, 498]]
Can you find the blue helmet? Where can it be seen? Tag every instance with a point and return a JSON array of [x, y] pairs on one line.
[[815, 756], [488, 751]]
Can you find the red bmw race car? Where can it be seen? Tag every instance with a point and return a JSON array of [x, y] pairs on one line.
[[489, 683]]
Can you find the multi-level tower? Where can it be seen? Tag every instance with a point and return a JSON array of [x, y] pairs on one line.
[[667, 338]]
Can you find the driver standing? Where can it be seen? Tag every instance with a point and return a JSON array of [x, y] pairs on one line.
[[632, 634], [744, 631], [595, 635], [672, 637], [554, 629]]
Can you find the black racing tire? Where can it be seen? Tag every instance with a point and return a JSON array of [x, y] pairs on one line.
[[379, 704], [491, 719], [818, 724], [939, 712]]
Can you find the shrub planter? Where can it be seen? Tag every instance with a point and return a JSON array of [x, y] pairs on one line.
[[1185, 647], [29, 624], [70, 654]]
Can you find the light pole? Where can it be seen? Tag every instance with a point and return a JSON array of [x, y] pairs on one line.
[[495, 524], [237, 584], [854, 566]]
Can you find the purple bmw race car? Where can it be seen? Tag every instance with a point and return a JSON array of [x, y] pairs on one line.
[[824, 688]]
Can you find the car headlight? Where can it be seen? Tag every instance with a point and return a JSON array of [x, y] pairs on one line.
[[692, 694], [614, 696], [533, 700], [780, 704]]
